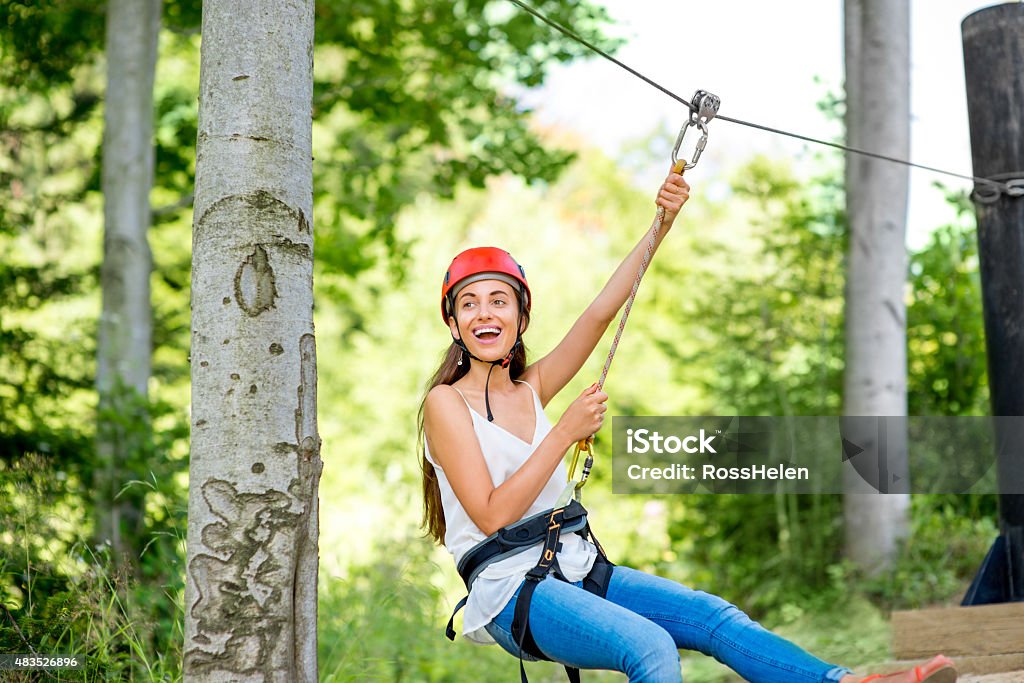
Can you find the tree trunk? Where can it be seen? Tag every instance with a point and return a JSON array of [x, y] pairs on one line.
[[877, 36], [255, 458], [124, 345]]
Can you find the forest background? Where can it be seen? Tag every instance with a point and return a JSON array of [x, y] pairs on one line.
[[419, 153]]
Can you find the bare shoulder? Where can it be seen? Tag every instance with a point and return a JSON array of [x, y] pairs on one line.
[[440, 400], [532, 376], [441, 394], [444, 405], [448, 426]]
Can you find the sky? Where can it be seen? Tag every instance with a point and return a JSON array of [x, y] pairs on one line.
[[770, 63]]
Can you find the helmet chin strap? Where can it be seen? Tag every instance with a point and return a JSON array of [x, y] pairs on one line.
[[503, 362]]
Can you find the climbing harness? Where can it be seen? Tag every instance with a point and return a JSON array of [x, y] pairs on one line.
[[568, 515], [544, 527]]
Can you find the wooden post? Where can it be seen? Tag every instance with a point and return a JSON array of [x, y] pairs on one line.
[[993, 41]]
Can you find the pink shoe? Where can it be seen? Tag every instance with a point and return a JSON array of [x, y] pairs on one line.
[[938, 669]]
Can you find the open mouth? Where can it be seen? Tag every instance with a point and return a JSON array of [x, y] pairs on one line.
[[487, 333]]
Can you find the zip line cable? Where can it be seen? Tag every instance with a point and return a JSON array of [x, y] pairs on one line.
[[1012, 189]]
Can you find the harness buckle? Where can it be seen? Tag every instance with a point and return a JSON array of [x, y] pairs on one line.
[[537, 573], [552, 523]]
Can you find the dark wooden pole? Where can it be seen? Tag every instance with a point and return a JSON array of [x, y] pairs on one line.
[[993, 40]]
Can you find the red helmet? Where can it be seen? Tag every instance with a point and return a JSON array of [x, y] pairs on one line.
[[482, 263]]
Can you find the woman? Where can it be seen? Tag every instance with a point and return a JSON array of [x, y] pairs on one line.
[[491, 458]]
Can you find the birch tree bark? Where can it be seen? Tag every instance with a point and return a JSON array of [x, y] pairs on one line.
[[124, 345], [877, 43], [250, 599]]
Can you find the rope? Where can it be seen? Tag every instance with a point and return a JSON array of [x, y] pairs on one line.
[[1011, 189], [573, 487], [648, 252]]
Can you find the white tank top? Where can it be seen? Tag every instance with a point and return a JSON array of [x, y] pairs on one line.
[[505, 453]]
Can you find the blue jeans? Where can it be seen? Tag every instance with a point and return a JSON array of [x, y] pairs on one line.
[[640, 627]]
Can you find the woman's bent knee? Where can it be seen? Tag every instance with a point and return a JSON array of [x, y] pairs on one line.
[[654, 660]]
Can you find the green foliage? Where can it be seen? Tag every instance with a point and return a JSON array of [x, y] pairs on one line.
[[769, 298], [945, 329], [949, 536], [183, 16], [409, 99], [48, 119], [65, 594], [41, 43], [46, 368]]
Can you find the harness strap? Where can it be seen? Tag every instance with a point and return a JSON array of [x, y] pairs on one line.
[[600, 575], [520, 626], [595, 582], [450, 629], [515, 538], [597, 544], [521, 618]]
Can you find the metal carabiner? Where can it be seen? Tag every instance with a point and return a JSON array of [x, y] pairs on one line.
[[703, 107], [701, 144]]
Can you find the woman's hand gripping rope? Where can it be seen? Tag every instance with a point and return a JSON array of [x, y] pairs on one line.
[[671, 196], [584, 416]]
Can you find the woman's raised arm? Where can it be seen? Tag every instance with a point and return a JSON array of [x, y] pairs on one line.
[[552, 372]]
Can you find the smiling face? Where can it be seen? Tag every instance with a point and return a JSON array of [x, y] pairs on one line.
[[485, 317]]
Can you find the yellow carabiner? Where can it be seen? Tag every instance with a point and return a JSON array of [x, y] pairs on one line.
[[583, 446], [572, 488]]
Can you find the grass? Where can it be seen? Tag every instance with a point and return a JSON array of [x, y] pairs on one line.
[[381, 616], [59, 595]]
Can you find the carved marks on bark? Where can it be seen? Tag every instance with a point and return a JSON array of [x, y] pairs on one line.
[[255, 284], [244, 584], [258, 554]]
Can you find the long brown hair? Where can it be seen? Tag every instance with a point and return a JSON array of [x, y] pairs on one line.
[[448, 373]]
